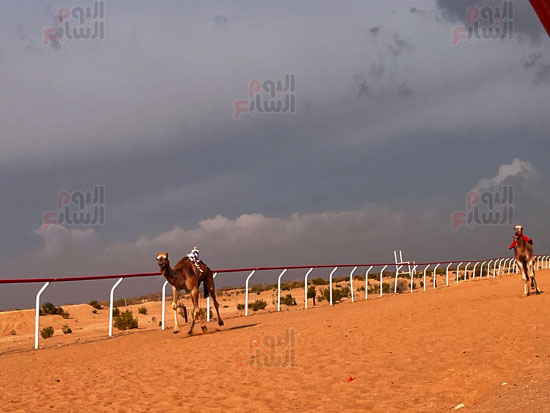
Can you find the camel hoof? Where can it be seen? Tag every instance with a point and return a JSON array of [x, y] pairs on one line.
[[220, 323]]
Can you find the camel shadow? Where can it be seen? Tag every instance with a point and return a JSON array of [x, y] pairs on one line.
[[198, 333]]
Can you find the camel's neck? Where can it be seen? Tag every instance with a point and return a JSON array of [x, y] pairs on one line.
[[168, 273]]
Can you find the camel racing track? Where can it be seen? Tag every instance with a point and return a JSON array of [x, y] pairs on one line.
[[464, 338]]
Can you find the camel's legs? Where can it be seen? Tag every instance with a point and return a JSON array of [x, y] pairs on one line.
[[175, 296], [523, 270], [531, 269], [209, 282], [195, 300]]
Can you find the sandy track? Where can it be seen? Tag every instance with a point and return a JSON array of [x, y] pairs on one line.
[[422, 352]]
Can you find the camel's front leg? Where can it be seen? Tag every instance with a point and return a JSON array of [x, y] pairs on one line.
[[524, 277], [175, 296], [195, 300], [531, 269]]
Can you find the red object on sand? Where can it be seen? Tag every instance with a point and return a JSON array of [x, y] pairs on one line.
[[542, 8], [527, 239], [350, 379]]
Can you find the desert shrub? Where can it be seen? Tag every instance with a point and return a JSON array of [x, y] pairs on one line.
[[94, 311], [125, 321], [240, 307], [49, 308], [95, 304], [66, 329], [116, 312], [13, 333], [296, 284], [360, 277], [285, 287], [337, 294], [402, 286], [226, 306], [153, 319], [202, 314], [46, 332], [288, 300], [312, 293], [362, 288], [373, 276], [319, 281], [257, 288], [386, 288], [422, 284], [258, 305], [142, 310], [121, 302]]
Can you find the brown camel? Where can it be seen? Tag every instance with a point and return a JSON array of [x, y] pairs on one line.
[[525, 260], [186, 276]]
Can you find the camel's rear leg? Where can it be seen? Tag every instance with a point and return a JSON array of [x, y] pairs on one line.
[[209, 284], [531, 272], [175, 296], [522, 266], [195, 300]]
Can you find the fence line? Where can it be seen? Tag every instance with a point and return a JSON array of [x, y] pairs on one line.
[[541, 262]]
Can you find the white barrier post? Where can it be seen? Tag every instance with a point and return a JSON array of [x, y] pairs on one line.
[[435, 274], [246, 293], [111, 306], [37, 314], [330, 282], [466, 270], [412, 277], [426, 269], [481, 269], [279, 290], [382, 272], [367, 282], [305, 286], [495, 269], [163, 303], [457, 271], [475, 266], [489, 268], [208, 302], [447, 273], [351, 283]]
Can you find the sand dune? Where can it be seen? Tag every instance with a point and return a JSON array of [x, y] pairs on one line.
[[427, 351]]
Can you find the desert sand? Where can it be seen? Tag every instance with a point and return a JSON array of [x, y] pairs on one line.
[[479, 343]]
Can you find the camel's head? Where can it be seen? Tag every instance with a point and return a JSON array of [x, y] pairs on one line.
[[518, 231], [162, 260]]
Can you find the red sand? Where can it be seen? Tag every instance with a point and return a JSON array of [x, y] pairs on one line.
[[427, 351]]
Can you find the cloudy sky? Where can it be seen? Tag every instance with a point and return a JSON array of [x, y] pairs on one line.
[[393, 126]]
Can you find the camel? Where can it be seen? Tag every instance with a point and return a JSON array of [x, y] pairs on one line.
[[525, 260], [186, 276]]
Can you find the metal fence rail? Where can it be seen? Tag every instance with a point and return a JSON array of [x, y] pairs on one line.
[[500, 266]]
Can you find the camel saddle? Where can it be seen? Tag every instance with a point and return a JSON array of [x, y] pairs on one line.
[[527, 239]]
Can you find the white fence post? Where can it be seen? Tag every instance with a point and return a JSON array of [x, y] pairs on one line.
[[305, 286], [208, 302], [466, 270], [381, 273], [489, 268], [447, 273], [475, 266], [330, 282], [412, 277], [163, 303], [435, 275], [111, 306], [457, 271], [426, 269], [37, 314], [279, 289], [246, 293], [367, 282], [351, 283]]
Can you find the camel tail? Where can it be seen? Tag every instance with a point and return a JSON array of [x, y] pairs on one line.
[[206, 293]]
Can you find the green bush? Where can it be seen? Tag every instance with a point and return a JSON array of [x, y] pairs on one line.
[[258, 305], [202, 314], [116, 312], [386, 288], [403, 286], [95, 304], [337, 294], [319, 281], [142, 310], [49, 308], [66, 329], [362, 288], [240, 307], [125, 321], [288, 300], [46, 332]]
